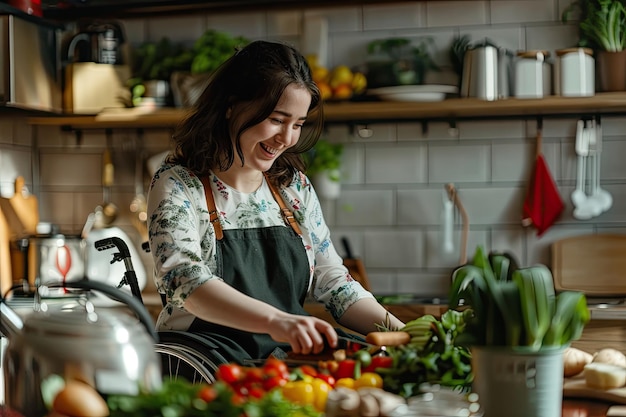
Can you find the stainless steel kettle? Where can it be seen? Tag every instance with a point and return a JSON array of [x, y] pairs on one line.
[[487, 72], [109, 349]]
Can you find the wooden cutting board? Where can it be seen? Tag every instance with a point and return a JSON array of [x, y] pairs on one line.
[[6, 278], [577, 388], [21, 211], [594, 264]]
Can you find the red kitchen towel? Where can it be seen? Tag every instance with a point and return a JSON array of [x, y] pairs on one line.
[[543, 204]]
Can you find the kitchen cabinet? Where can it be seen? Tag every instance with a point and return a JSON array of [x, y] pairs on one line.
[[368, 112]]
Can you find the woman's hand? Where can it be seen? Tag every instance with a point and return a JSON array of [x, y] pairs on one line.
[[305, 334]]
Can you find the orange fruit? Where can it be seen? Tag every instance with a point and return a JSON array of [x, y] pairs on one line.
[[342, 92], [325, 90]]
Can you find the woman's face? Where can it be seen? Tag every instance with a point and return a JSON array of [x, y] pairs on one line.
[[266, 141]]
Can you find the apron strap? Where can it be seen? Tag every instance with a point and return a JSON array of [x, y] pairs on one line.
[[284, 210], [210, 202], [214, 215]]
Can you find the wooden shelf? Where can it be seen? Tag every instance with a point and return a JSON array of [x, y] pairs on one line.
[[374, 112]]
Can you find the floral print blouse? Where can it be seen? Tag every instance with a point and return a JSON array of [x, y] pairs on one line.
[[183, 244]]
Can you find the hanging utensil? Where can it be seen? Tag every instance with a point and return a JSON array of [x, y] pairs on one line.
[[139, 205], [603, 198], [454, 197], [579, 196], [107, 213]]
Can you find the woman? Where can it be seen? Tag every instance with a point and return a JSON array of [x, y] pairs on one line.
[[235, 227]]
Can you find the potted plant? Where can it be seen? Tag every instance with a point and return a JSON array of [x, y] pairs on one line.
[[517, 334], [397, 61], [323, 167], [602, 26]]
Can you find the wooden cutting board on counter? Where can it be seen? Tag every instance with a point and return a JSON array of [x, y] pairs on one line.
[[594, 264], [577, 388]]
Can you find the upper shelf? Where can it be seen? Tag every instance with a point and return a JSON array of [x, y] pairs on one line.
[[376, 112]]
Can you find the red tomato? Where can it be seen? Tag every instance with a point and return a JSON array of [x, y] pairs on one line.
[[254, 375], [229, 373], [308, 370], [207, 393], [329, 379], [345, 369], [276, 367], [256, 392], [379, 362], [274, 382]]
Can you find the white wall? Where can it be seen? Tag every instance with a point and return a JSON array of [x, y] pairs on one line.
[[392, 197]]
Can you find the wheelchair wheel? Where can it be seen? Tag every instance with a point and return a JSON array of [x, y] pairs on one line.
[[188, 356]]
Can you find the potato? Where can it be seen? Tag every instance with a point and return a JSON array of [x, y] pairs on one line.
[[78, 399], [604, 375], [574, 361], [610, 356]]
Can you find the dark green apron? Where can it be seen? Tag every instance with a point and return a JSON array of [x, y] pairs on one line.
[[269, 264]]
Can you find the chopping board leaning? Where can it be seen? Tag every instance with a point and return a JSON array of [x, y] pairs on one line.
[[6, 280]]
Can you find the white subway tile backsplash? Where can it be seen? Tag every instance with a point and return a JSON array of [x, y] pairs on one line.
[[395, 248], [395, 164], [250, 25], [458, 163], [178, 29], [499, 129], [551, 37], [492, 206], [287, 23], [612, 162], [393, 16], [340, 19], [431, 284], [15, 162], [457, 13], [371, 207], [353, 164], [510, 37], [522, 11], [512, 161], [70, 169], [421, 207]]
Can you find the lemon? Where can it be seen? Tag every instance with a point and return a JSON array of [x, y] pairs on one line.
[[341, 74]]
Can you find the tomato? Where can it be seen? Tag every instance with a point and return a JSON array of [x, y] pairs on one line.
[[345, 382], [320, 393], [274, 381], [379, 362], [345, 369], [256, 392], [207, 393], [300, 392], [229, 373], [369, 379], [308, 370], [253, 375], [276, 367], [329, 379]]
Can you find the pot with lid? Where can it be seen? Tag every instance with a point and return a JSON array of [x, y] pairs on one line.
[[108, 349]]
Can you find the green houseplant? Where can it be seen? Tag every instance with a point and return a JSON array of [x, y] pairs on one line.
[[517, 333], [323, 163], [602, 27], [399, 61]]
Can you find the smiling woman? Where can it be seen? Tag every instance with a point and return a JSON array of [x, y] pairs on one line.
[[236, 228]]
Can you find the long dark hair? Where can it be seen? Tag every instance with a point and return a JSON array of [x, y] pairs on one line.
[[256, 77]]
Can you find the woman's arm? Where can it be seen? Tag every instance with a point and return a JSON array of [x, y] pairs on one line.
[[363, 315], [229, 307]]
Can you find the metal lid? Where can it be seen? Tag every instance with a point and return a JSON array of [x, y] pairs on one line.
[[77, 320]]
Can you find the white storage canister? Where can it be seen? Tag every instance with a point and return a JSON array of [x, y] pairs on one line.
[[533, 74], [574, 73]]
